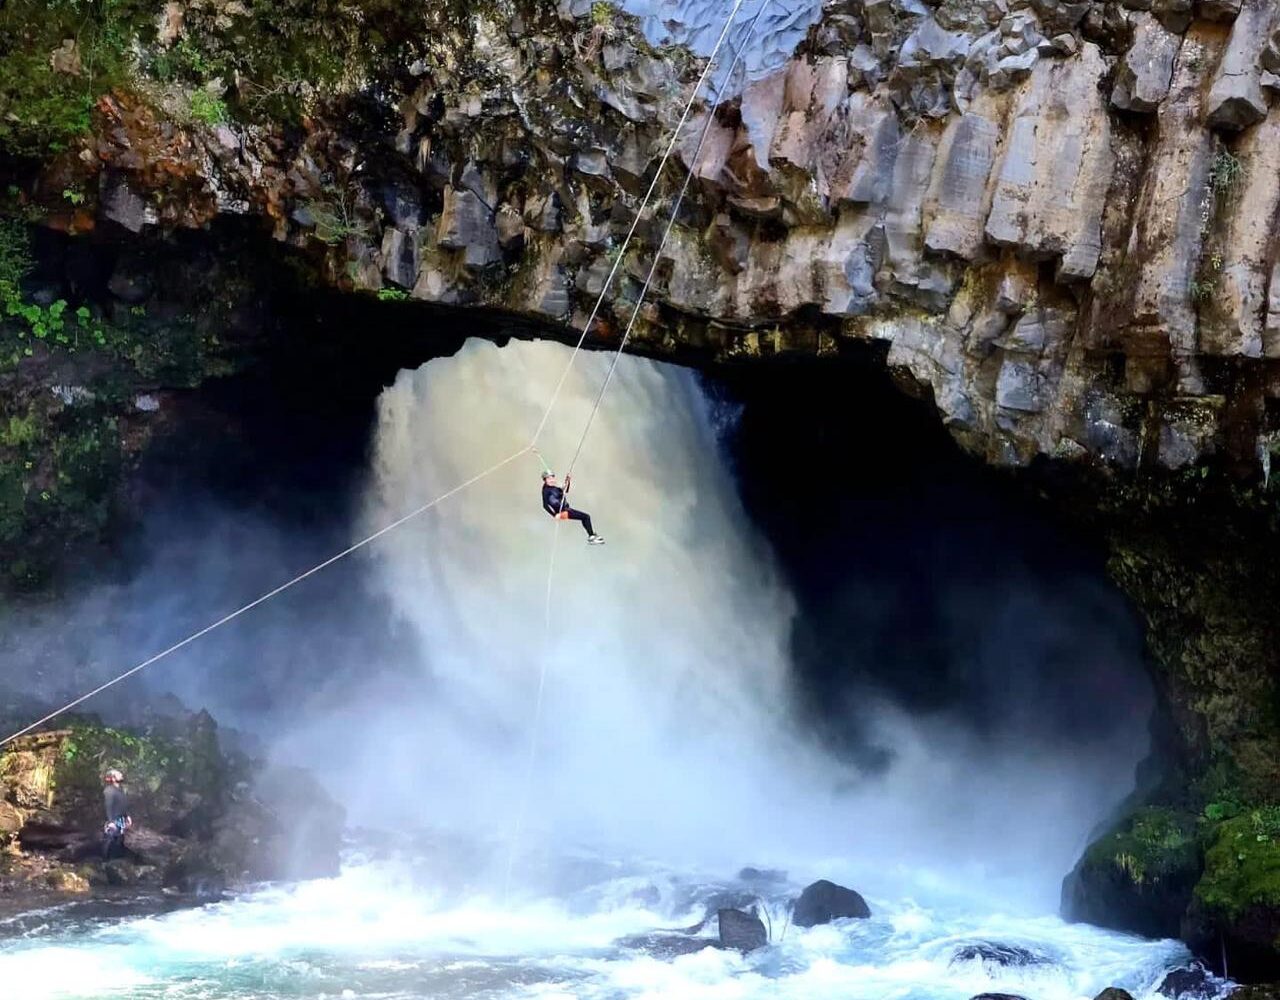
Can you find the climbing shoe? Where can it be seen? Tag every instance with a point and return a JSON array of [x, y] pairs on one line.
[[596, 540]]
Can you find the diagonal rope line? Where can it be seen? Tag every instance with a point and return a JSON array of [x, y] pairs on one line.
[[666, 235], [635, 223], [269, 594]]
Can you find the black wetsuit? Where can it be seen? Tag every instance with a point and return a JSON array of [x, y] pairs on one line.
[[553, 501], [117, 807]]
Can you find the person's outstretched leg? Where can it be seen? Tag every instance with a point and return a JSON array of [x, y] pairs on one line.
[[585, 518]]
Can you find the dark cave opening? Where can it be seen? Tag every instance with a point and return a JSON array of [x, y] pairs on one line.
[[923, 579]]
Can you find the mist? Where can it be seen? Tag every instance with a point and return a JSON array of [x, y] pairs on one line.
[[709, 699], [672, 722]]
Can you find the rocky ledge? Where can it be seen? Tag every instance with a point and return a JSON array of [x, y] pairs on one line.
[[1058, 216], [205, 821]]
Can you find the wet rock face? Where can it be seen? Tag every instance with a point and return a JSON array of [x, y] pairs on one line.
[[1191, 983], [1055, 214], [741, 931], [994, 953], [203, 820]]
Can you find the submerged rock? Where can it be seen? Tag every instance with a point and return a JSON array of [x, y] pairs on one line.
[[1114, 993], [666, 946], [770, 875], [1011, 955], [741, 931], [998, 996], [823, 902]]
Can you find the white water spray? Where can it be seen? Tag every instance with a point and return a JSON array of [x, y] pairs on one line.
[[666, 728], [666, 667]]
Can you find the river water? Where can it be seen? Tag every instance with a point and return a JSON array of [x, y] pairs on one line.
[[401, 925]]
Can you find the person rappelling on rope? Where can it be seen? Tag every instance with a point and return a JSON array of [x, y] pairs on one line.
[[555, 501]]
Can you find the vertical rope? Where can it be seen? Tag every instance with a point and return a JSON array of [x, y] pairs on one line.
[[666, 235], [702, 139], [635, 223], [530, 763]]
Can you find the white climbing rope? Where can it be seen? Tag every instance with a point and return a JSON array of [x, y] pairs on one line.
[[644, 204], [671, 222], [268, 595]]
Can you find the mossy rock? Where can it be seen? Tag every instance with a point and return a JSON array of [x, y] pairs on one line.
[[1236, 908], [1242, 865], [1138, 877], [175, 774]]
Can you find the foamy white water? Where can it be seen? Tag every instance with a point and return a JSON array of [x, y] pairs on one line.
[[386, 929]]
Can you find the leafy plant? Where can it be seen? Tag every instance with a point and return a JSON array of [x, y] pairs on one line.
[[1225, 173], [207, 108], [44, 107], [337, 219], [392, 294]]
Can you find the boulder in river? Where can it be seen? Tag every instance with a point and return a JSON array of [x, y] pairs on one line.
[[997, 996], [741, 931], [759, 875], [1114, 993], [1192, 982], [825, 901], [1009, 955]]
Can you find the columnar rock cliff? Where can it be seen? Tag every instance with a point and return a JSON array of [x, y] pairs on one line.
[[1054, 218], [1058, 216]]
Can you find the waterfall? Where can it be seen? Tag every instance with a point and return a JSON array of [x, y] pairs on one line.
[[668, 727], [666, 669]]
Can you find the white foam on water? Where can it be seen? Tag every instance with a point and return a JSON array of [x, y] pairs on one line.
[[379, 931]]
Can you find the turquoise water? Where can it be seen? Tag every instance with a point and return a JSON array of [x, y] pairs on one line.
[[412, 927]]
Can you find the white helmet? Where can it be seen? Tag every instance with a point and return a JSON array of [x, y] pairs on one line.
[[113, 776]]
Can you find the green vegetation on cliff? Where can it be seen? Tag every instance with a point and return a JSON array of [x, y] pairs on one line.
[[57, 57], [168, 768], [257, 59], [1154, 845], [1242, 864], [1198, 551], [69, 376]]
